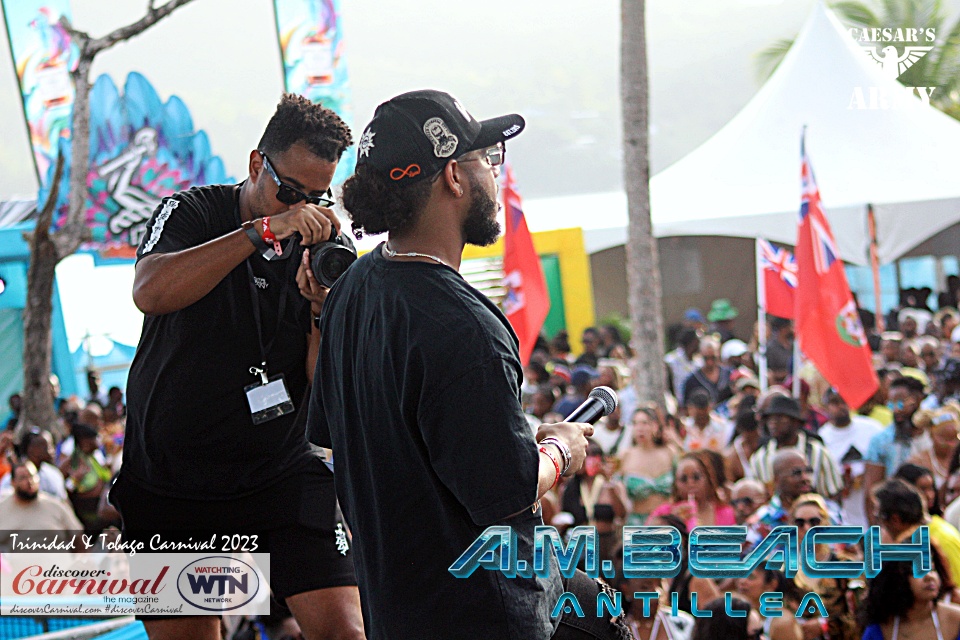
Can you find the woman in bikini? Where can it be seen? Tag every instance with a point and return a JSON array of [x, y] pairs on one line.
[[899, 606], [646, 468]]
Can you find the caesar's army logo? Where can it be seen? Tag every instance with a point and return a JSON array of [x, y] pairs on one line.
[[895, 51], [136, 205]]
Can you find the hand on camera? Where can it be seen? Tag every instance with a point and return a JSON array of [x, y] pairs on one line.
[[310, 287], [314, 223], [574, 435]]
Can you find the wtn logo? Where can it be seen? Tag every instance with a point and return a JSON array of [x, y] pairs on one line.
[[206, 584]]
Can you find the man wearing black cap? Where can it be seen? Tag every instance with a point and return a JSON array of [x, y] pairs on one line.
[[417, 387], [784, 420]]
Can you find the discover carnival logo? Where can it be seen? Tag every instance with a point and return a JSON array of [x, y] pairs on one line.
[[895, 51]]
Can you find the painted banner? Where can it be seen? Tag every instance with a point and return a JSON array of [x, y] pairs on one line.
[[141, 150], [43, 57], [310, 33]]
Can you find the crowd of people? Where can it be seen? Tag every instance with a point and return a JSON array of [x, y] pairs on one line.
[[724, 452], [420, 404], [58, 480]]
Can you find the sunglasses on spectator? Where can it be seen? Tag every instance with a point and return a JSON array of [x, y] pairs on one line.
[[493, 156], [801, 471], [896, 406], [747, 502], [291, 195], [693, 477], [813, 522]]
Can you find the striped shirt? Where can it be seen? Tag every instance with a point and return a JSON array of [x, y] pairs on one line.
[[827, 479]]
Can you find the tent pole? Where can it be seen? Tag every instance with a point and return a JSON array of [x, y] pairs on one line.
[[761, 318], [875, 267]]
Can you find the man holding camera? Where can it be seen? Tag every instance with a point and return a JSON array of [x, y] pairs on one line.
[[217, 391], [417, 390]]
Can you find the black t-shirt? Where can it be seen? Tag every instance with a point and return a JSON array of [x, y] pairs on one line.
[[189, 430], [417, 390]]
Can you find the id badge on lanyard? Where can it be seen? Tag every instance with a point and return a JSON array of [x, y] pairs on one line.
[[269, 398]]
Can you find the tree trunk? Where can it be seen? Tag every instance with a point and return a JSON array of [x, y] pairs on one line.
[[643, 262], [46, 249], [38, 407]]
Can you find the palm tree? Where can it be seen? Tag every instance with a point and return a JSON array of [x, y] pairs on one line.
[[643, 262], [939, 68]]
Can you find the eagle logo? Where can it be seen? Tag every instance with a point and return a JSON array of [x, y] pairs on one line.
[[893, 64]]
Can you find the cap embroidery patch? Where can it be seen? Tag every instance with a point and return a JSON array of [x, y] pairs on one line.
[[366, 143], [512, 130], [412, 171], [444, 142]]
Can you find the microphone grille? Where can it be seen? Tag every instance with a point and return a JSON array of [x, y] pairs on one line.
[[607, 396]]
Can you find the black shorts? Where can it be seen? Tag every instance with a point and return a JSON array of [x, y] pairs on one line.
[[296, 520]]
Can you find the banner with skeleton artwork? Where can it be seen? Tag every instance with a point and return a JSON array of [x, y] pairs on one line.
[[310, 33], [141, 150]]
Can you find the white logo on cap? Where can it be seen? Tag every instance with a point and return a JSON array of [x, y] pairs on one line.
[[512, 130], [366, 143], [464, 112], [444, 142]]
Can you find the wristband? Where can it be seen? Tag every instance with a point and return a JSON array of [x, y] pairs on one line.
[[556, 465], [268, 236], [564, 451], [250, 228]]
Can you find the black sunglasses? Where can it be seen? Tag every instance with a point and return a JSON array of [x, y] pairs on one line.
[[813, 522], [747, 502], [291, 195]]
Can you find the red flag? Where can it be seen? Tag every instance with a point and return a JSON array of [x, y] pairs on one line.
[[827, 323], [527, 301], [779, 279]]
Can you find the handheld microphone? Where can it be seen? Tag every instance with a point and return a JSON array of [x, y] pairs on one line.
[[601, 402]]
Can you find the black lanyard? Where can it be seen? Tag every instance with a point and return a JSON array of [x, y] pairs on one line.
[[255, 300]]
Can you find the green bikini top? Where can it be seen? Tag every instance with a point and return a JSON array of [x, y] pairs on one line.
[[640, 488]]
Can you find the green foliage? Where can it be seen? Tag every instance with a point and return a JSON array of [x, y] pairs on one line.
[[621, 323]]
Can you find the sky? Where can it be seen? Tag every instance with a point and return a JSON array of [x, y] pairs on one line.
[[555, 62]]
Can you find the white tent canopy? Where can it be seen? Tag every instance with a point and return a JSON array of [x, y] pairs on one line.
[[745, 180]]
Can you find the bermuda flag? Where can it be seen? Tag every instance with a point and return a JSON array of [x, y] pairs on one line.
[[527, 301], [779, 279], [827, 323]]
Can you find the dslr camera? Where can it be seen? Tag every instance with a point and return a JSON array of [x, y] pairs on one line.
[[330, 258]]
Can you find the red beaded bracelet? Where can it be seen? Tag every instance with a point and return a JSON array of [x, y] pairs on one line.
[[268, 236], [556, 465]]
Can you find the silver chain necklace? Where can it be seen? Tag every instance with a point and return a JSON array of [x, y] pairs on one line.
[[412, 254]]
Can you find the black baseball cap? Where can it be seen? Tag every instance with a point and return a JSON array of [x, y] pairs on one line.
[[415, 134]]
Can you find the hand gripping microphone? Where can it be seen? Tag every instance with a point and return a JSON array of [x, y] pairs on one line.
[[601, 402]]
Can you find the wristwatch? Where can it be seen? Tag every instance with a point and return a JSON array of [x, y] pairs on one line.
[[250, 228]]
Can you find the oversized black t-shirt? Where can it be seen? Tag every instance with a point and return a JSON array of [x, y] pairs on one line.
[[189, 429], [417, 391]]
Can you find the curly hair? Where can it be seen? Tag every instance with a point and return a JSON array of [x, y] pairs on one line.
[[377, 204], [889, 593], [299, 121]]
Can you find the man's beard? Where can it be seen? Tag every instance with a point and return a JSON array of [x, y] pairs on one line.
[[481, 227], [26, 496]]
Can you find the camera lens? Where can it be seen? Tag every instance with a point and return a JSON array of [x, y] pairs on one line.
[[330, 260]]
